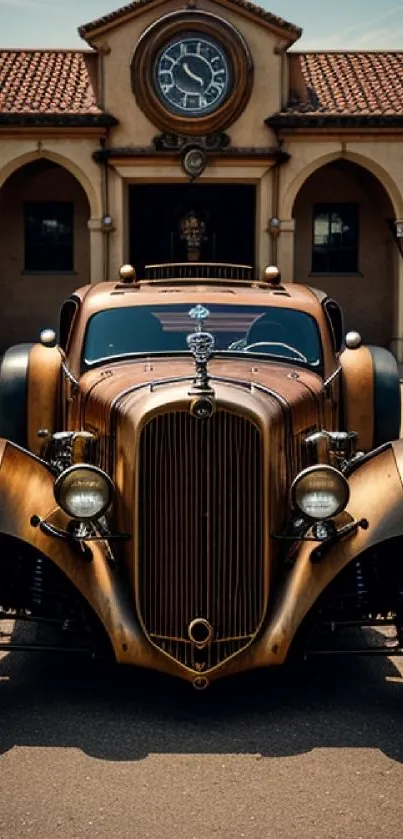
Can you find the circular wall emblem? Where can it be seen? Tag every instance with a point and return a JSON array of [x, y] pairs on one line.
[[192, 73], [194, 161]]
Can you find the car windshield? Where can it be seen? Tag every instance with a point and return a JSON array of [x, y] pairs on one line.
[[280, 332]]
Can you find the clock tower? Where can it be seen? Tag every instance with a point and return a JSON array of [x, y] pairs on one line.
[[192, 73]]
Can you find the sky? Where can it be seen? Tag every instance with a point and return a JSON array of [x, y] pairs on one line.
[[327, 25]]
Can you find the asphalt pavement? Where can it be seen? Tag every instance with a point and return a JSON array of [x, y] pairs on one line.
[[314, 751]]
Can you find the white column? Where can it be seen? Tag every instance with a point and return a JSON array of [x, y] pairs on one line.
[[263, 204], [285, 250], [396, 345], [97, 271], [118, 250]]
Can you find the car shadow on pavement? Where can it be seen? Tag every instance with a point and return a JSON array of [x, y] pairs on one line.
[[121, 714]]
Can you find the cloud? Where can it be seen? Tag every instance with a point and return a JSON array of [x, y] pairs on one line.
[[379, 39], [363, 35], [32, 4], [365, 23]]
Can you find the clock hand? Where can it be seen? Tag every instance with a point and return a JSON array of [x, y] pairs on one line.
[[190, 74]]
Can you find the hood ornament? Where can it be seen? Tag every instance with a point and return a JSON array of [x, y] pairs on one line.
[[201, 345]]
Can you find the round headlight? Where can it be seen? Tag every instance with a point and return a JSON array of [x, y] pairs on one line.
[[320, 492], [83, 492]]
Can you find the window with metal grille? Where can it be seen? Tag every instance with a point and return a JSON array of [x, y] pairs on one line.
[[49, 244], [335, 238]]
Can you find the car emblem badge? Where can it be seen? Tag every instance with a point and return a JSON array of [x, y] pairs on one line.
[[201, 345]]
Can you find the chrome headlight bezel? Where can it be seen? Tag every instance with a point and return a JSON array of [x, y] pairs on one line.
[[305, 482], [85, 473]]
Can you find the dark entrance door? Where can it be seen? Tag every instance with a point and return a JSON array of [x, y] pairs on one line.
[[192, 222]]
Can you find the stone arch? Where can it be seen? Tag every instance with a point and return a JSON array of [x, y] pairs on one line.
[[394, 194], [38, 270], [359, 272], [94, 200]]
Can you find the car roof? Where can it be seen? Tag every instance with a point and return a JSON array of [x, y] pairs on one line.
[[119, 295]]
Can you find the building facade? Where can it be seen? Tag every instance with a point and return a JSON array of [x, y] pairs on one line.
[[198, 132]]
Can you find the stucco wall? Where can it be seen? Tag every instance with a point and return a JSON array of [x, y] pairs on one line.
[[373, 300], [383, 157], [31, 301], [135, 128], [72, 152], [367, 296]]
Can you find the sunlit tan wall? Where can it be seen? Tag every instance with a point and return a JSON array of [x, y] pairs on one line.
[[136, 129], [366, 297], [31, 301]]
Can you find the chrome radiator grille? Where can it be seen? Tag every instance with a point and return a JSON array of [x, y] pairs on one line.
[[201, 533]]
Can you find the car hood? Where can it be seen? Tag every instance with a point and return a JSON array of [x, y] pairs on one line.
[[297, 388]]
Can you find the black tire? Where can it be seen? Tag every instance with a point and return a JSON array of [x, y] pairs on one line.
[[13, 393], [387, 404]]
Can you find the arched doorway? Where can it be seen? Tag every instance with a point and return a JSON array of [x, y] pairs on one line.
[[45, 251], [225, 213], [344, 244]]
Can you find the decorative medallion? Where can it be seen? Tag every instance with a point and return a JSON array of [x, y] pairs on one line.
[[192, 230], [192, 73], [180, 142], [194, 162]]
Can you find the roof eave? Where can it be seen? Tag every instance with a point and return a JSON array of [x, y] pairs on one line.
[[273, 153], [309, 121], [58, 120], [91, 31]]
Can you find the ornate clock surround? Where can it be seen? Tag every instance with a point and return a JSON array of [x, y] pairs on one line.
[[165, 31]]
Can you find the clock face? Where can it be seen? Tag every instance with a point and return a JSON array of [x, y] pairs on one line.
[[192, 75]]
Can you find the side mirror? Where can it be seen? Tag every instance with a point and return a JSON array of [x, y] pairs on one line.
[[48, 338], [335, 318]]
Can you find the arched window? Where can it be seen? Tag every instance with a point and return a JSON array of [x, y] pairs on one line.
[[335, 238], [49, 239]]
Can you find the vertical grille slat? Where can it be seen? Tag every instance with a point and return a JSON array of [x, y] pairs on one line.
[[200, 548]]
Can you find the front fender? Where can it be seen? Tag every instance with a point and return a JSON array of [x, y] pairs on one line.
[[376, 494], [26, 489]]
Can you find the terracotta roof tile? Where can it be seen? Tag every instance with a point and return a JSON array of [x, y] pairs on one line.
[[346, 84], [56, 84], [46, 82], [258, 11]]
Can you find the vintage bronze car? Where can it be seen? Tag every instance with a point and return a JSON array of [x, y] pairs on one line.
[[198, 479]]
